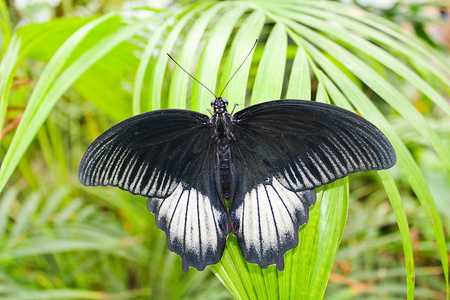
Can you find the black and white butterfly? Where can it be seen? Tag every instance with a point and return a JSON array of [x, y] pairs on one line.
[[253, 173]]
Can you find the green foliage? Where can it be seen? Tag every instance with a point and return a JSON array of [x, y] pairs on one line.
[[73, 242]]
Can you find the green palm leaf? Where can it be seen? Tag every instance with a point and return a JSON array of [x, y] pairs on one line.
[[306, 49]]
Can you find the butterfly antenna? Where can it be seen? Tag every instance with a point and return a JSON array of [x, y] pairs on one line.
[[254, 45], [192, 76]]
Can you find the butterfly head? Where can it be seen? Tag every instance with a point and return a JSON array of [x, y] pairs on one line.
[[219, 105]]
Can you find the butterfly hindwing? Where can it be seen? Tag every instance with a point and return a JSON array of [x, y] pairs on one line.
[[265, 215], [169, 157]]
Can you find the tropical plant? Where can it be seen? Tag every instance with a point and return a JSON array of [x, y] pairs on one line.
[[98, 71]]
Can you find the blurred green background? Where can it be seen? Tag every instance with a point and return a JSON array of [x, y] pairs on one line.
[[71, 69]]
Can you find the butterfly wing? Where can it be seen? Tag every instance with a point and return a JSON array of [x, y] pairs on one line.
[[308, 144], [286, 149], [265, 215], [193, 217], [168, 157], [145, 154]]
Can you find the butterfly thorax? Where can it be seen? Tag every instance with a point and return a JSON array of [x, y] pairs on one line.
[[221, 122]]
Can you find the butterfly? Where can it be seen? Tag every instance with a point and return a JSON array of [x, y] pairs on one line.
[[252, 173]]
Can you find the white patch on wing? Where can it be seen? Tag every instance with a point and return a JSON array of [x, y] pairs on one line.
[[150, 182], [350, 163], [269, 218], [137, 182], [357, 154], [155, 177], [306, 172], [190, 222], [125, 180], [322, 167], [332, 158], [111, 165]]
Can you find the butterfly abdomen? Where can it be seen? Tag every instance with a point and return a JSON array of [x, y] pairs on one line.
[[224, 167], [221, 123]]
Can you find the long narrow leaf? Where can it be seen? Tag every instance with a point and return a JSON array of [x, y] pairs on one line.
[[7, 69], [185, 57], [209, 63], [157, 76], [42, 101]]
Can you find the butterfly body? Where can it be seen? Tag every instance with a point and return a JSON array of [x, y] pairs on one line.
[[221, 123], [252, 174]]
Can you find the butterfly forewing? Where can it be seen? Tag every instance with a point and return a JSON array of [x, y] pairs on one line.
[[147, 154], [308, 144]]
